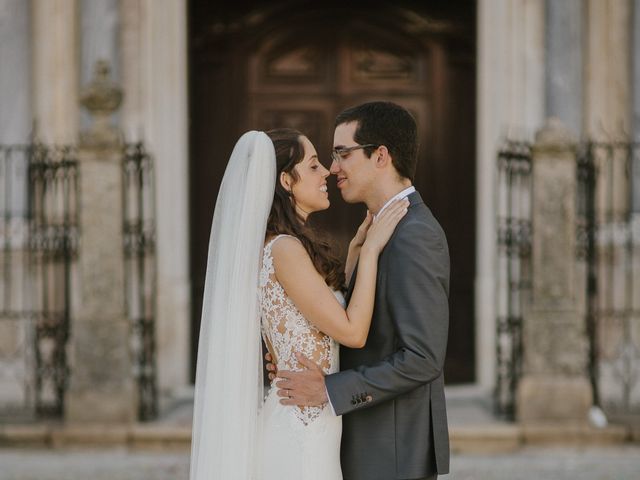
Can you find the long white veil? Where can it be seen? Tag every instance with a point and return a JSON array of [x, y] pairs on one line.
[[229, 383]]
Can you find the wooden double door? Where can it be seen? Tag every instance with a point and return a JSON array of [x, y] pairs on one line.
[[298, 64]]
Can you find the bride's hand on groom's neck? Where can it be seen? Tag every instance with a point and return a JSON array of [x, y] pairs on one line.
[[355, 245], [361, 234]]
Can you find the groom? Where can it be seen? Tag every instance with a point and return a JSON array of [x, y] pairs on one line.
[[391, 391]]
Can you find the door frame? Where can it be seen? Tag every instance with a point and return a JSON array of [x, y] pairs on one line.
[[484, 312]]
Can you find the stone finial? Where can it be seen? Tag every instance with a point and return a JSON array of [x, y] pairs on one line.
[[101, 97], [554, 136]]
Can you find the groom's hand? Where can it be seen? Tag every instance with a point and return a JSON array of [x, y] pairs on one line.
[[305, 388], [271, 368]]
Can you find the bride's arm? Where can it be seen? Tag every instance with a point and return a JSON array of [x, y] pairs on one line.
[[315, 300]]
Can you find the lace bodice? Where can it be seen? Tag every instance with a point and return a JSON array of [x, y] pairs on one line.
[[286, 331]]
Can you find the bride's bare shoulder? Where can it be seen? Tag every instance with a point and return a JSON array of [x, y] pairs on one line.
[[284, 243], [288, 250], [292, 264]]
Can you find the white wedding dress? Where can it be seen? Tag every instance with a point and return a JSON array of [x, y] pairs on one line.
[[299, 443]]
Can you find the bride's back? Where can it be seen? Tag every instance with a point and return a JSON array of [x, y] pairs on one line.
[[287, 332]]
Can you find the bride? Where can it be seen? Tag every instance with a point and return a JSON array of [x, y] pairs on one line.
[[269, 276]]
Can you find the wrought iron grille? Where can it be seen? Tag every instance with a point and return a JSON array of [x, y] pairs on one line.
[[39, 235], [610, 204], [513, 268], [607, 258], [139, 249]]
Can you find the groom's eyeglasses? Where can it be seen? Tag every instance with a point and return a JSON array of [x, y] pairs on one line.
[[339, 154]]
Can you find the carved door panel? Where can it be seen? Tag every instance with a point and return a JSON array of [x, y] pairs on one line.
[[301, 73], [306, 86]]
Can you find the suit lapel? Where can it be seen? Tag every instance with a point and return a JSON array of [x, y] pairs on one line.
[[415, 199]]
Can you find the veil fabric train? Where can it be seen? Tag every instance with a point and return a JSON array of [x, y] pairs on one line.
[[229, 384]]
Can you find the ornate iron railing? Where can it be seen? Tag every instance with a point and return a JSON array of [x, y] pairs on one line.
[[513, 268], [39, 235], [607, 261], [611, 207], [140, 268]]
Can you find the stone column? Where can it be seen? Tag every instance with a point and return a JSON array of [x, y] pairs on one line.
[[17, 378], [15, 74], [133, 62], [608, 70], [635, 59], [16, 120], [554, 386], [154, 72], [563, 59], [102, 387], [55, 70], [510, 103]]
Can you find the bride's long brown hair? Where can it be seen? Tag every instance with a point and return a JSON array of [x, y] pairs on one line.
[[284, 219]]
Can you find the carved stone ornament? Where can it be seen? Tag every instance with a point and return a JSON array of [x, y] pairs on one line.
[[101, 97], [554, 136]]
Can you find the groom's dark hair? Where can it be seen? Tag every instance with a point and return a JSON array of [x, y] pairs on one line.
[[388, 124]]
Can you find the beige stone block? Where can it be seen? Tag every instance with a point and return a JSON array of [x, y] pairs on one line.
[[160, 437], [90, 435], [101, 264], [486, 439], [553, 399], [91, 407], [102, 388], [100, 356], [573, 434], [555, 344], [35, 435]]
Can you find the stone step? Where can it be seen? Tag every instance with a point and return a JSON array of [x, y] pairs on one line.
[[484, 438]]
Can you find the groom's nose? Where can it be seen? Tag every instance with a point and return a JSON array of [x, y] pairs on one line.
[[335, 167]]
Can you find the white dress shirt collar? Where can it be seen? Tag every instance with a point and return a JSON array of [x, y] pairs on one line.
[[403, 194]]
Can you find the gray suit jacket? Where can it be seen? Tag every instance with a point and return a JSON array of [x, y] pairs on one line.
[[391, 392]]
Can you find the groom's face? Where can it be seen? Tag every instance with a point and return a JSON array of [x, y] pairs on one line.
[[354, 170]]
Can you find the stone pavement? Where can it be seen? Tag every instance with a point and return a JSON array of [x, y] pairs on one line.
[[108, 464], [473, 429], [619, 463], [484, 448], [593, 463]]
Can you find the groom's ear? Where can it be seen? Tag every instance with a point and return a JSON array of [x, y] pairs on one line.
[[382, 157]]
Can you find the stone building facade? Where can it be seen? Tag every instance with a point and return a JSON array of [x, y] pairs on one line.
[[511, 63]]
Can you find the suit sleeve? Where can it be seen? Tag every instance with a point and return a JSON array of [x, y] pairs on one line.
[[417, 285]]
